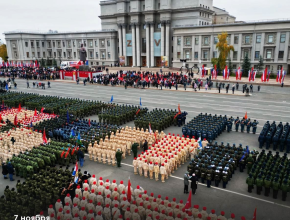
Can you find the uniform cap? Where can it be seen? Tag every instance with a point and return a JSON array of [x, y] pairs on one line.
[[136, 210], [60, 210], [204, 208], [67, 204], [121, 182], [208, 218], [99, 213], [93, 191], [149, 207], [86, 181], [116, 205], [100, 193], [94, 176], [156, 209], [84, 198], [199, 215], [108, 196], [128, 209], [166, 198], [101, 178], [50, 206], [232, 215], [83, 208], [138, 187], [222, 213], [41, 213], [91, 211], [108, 205], [67, 211], [213, 211]]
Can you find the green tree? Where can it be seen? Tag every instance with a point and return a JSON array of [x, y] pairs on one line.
[[54, 62], [261, 64], [42, 62], [230, 66], [224, 49], [3, 52], [246, 65]]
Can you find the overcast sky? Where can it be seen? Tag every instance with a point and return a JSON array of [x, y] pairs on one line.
[[76, 15]]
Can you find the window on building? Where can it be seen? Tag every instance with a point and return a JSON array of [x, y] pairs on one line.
[[282, 38], [92, 63], [159, 26], [91, 54], [257, 54], [14, 45], [200, 14], [129, 9], [42, 44], [236, 39], [187, 41], [74, 43], [246, 53], [38, 54], [49, 53], [31, 43], [26, 44], [85, 43], [102, 43], [143, 7], [187, 55], [143, 45], [97, 55], [33, 54], [270, 39], [281, 55], [179, 41], [91, 43], [27, 54], [205, 54], [103, 55], [109, 55], [54, 54], [178, 55], [37, 44], [196, 41], [214, 54], [234, 66], [49, 44], [195, 55], [43, 54], [158, 6], [279, 67], [247, 39], [79, 43], [59, 54], [129, 27], [269, 54], [96, 43], [69, 54], [235, 55], [205, 40], [75, 55], [108, 43], [58, 44], [258, 39], [144, 26], [216, 40], [53, 44], [64, 54], [63, 44]]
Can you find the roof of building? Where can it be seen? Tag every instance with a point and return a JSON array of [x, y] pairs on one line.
[[54, 32]]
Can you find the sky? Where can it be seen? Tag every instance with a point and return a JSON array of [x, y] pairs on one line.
[[76, 15]]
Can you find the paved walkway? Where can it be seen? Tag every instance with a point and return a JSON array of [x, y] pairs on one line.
[[180, 89]]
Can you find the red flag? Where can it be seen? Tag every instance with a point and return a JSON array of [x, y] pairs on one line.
[[19, 107], [246, 116], [188, 203], [0, 117], [129, 193], [44, 137], [281, 73], [35, 112], [42, 110], [15, 120], [89, 122], [179, 111], [255, 214], [138, 111]]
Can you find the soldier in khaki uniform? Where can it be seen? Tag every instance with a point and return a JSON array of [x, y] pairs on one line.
[[156, 171], [163, 173]]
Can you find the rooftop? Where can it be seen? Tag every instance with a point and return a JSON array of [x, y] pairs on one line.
[[55, 32]]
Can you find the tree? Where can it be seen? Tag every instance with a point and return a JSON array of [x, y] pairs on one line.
[[224, 49], [261, 64], [3, 52], [54, 62], [230, 66], [246, 65], [42, 62]]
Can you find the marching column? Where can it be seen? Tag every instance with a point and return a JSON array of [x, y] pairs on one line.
[[162, 38], [124, 42], [148, 45], [152, 44], [168, 40], [134, 44], [120, 40], [138, 54]]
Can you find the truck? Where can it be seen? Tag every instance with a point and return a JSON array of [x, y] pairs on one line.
[[67, 64]]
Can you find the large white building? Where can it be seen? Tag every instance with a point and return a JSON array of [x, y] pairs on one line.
[[145, 32]]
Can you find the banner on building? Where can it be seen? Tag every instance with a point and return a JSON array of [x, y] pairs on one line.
[[157, 44], [122, 60], [164, 61], [129, 45]]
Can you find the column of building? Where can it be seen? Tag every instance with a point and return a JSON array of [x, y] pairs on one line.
[[168, 41], [138, 54], [152, 44], [124, 42], [148, 44], [133, 44], [162, 38]]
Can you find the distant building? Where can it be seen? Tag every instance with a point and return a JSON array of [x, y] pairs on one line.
[[147, 32]]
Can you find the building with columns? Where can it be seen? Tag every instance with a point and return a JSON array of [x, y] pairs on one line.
[[146, 32]]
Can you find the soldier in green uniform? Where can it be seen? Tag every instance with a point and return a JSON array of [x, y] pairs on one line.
[[135, 149], [285, 188], [259, 184], [250, 182], [119, 157], [249, 162]]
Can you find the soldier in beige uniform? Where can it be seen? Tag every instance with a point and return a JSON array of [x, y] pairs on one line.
[[145, 168], [212, 215], [156, 171], [90, 151], [204, 143], [140, 167], [107, 212], [135, 164], [163, 173], [222, 216]]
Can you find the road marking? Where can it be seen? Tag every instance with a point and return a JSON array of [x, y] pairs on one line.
[[225, 190]]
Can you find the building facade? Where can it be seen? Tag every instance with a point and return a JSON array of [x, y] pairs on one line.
[[270, 40], [146, 32]]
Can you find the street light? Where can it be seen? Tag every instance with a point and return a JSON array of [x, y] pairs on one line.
[[183, 63]]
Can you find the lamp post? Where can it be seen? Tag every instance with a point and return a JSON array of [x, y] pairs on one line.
[[183, 63]]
